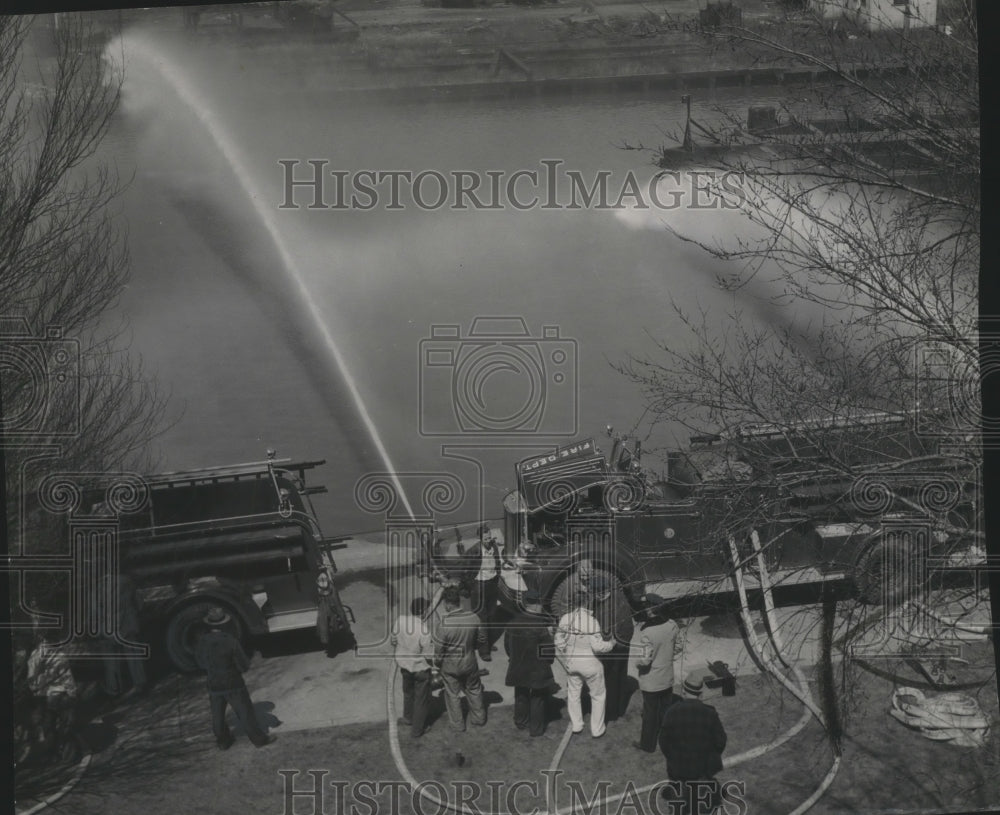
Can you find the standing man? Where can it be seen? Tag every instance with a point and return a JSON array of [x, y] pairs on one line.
[[51, 681], [129, 605], [692, 740], [412, 640], [658, 644], [579, 586], [529, 648], [486, 583], [615, 616], [116, 600], [456, 639], [578, 640], [222, 657], [328, 622]]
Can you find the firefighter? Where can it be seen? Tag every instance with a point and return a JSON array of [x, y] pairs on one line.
[[129, 606], [414, 650], [486, 584], [580, 586], [528, 644], [578, 640], [615, 616], [692, 740], [328, 622], [455, 643], [221, 656], [51, 681], [658, 645]]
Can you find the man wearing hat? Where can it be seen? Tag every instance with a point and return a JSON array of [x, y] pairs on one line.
[[222, 657], [529, 648], [692, 740], [657, 645]]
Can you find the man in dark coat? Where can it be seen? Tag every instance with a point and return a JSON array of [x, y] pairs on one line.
[[328, 622], [222, 657], [127, 627], [615, 616], [692, 740], [457, 637], [530, 651]]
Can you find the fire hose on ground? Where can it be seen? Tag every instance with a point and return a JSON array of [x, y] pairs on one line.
[[799, 691], [802, 691]]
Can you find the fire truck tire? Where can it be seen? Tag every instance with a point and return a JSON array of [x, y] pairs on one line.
[[875, 585], [183, 628], [558, 602]]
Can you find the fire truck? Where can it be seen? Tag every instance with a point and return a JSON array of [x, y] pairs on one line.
[[875, 527], [244, 537]]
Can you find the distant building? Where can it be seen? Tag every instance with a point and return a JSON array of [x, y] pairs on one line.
[[876, 14]]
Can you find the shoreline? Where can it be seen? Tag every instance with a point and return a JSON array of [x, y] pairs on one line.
[[408, 51], [570, 86]]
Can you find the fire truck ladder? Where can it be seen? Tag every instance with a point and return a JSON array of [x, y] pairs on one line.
[[800, 688]]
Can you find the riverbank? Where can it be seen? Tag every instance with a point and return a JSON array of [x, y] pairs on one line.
[[403, 48]]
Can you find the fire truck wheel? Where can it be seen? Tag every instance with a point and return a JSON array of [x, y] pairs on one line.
[[887, 571], [184, 627], [559, 600]]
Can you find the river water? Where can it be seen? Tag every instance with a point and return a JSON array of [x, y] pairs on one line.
[[312, 331]]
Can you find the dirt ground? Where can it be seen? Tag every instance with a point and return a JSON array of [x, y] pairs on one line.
[[885, 766]]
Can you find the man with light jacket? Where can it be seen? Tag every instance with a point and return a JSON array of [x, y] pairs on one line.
[[657, 643], [578, 640], [411, 638]]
